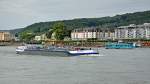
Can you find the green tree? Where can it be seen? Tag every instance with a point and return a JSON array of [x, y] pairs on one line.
[[49, 33], [27, 36], [59, 29]]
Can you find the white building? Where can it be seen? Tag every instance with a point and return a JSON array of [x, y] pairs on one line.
[[90, 33], [83, 34], [37, 38], [133, 32], [123, 32], [126, 32], [145, 30], [41, 37]]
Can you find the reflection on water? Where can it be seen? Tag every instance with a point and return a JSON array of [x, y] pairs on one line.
[[114, 67]]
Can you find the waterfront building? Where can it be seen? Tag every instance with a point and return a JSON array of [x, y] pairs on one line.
[[108, 35], [123, 32], [133, 32], [126, 32], [112, 35], [40, 37], [83, 34], [37, 38], [144, 30], [92, 33], [5, 36]]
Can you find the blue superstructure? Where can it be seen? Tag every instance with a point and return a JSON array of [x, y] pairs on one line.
[[119, 45]]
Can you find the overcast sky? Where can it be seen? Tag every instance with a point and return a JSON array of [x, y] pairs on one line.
[[21, 13]]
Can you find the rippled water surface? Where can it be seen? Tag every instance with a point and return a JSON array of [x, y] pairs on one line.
[[115, 66]]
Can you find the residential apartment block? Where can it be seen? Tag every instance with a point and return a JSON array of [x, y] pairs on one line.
[[133, 32], [123, 32], [93, 32]]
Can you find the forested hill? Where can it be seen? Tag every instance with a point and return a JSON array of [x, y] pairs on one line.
[[109, 22]]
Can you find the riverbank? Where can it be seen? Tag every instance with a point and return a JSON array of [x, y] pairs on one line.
[[143, 44]]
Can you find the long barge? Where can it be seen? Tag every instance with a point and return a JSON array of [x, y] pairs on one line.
[[52, 51]]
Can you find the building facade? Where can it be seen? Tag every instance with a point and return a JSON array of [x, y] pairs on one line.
[[41, 37], [133, 32], [92, 33], [123, 32], [5, 36]]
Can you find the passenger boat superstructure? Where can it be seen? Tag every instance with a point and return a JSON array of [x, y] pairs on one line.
[[83, 52]]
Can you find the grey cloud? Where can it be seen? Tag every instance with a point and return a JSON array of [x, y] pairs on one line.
[[20, 13]]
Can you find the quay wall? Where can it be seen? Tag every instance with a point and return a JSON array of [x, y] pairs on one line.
[[74, 43]]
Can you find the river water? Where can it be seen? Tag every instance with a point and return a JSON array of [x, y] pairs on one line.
[[114, 66]]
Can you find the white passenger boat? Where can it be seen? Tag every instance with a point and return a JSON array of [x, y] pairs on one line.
[[83, 52]]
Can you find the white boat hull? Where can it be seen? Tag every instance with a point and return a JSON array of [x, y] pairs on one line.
[[83, 52]]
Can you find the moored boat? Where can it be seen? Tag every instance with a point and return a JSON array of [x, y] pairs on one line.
[[119, 45]]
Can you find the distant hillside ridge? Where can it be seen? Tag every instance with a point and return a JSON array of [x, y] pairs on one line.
[[104, 22]]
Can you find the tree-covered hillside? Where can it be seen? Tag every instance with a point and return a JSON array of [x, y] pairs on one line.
[[105, 22]]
